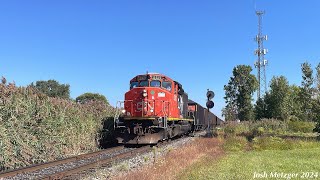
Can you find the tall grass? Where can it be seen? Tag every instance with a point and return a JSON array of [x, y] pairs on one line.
[[266, 126], [35, 128]]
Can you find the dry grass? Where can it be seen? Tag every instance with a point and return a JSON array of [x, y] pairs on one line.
[[177, 160], [36, 128]]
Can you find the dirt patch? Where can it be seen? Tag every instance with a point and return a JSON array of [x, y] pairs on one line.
[[169, 166]]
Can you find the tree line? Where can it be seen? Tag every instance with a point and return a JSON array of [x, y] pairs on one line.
[[282, 101], [53, 88]]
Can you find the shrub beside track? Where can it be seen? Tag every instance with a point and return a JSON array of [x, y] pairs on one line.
[[35, 128]]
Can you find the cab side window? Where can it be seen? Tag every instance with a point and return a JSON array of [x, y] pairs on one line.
[[167, 85]]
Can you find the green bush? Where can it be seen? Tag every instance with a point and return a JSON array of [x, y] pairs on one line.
[[236, 128], [270, 143], [269, 126], [301, 126], [235, 143], [36, 128], [277, 143], [317, 128], [258, 131], [255, 128]]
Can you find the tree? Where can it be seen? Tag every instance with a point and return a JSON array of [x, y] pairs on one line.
[[228, 113], [294, 102], [316, 102], [260, 109], [317, 81], [306, 90], [53, 88], [277, 102], [86, 97], [239, 91]]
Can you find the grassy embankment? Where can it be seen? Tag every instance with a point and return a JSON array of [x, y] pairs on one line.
[[35, 128], [266, 157]]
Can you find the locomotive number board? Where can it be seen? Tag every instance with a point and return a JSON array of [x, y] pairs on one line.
[[156, 77]]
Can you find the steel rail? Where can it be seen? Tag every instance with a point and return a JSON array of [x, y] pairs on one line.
[[97, 163], [56, 162]]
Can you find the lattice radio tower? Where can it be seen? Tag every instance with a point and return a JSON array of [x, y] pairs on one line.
[[261, 63]]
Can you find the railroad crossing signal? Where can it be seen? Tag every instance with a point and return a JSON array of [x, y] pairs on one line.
[[210, 103]]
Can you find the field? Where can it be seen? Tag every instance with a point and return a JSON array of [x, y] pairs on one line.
[[266, 164], [261, 150]]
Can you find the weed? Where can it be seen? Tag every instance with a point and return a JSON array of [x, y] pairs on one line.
[[124, 166], [146, 158]]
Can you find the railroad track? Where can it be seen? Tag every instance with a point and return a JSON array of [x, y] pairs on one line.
[[60, 169], [69, 167]]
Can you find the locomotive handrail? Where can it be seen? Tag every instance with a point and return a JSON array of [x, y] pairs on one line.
[[117, 114]]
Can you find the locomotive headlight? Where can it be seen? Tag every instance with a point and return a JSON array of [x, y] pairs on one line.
[[123, 111], [144, 93]]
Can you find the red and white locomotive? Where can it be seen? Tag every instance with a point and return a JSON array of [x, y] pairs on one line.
[[155, 108]]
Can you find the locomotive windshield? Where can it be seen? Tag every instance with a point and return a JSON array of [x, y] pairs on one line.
[[133, 85], [155, 83], [144, 84]]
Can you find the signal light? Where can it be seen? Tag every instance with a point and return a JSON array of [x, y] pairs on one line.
[[210, 95], [210, 104]]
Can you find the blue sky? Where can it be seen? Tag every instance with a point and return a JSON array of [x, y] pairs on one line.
[[98, 46]]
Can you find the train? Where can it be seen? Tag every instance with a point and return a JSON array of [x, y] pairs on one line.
[[156, 108]]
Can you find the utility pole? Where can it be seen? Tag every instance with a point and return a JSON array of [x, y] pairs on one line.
[[261, 63]]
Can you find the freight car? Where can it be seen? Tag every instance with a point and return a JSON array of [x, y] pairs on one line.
[[157, 108], [202, 117]]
